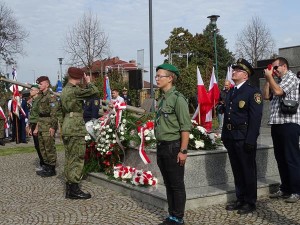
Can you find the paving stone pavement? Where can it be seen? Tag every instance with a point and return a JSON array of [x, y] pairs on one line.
[[26, 198]]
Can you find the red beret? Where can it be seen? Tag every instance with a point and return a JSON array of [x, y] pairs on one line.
[[41, 79], [75, 73]]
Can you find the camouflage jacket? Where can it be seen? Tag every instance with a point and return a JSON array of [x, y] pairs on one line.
[[72, 98], [48, 107]]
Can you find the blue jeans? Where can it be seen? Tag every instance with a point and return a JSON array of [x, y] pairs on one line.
[[173, 175]]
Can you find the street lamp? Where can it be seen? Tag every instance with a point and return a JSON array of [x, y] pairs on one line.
[[213, 21], [170, 55], [60, 63], [180, 55]]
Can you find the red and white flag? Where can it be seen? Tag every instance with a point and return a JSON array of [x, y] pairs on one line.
[[2, 115], [203, 100], [214, 94], [229, 76]]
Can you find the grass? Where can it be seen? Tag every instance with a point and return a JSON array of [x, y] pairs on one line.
[[21, 150]]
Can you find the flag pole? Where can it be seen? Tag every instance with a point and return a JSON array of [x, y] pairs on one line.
[[199, 116]]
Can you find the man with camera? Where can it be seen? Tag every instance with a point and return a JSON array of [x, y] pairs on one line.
[[285, 127]]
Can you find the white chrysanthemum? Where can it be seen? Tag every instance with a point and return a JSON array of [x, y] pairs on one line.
[[191, 136], [147, 138], [121, 128], [146, 132], [107, 136], [114, 141], [103, 133], [122, 133], [194, 121], [199, 144], [107, 141], [124, 121], [114, 136], [87, 137], [122, 138], [201, 129], [110, 130]]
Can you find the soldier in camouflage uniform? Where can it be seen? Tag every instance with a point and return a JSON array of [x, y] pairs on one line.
[[48, 106], [33, 119], [74, 131]]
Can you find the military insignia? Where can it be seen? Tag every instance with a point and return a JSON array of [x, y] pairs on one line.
[[96, 102], [52, 104], [241, 104], [257, 98]]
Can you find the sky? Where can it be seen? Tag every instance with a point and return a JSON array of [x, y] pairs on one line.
[[126, 22]]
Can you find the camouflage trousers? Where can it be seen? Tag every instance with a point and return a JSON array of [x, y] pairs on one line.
[[47, 148], [2, 130], [74, 158]]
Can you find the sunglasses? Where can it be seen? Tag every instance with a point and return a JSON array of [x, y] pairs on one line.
[[276, 67]]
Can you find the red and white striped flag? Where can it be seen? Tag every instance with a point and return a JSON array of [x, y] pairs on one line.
[[203, 100], [214, 94], [229, 76]]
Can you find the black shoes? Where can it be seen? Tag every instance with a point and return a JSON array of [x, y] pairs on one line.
[[246, 208], [73, 192], [234, 205], [2, 142], [47, 171]]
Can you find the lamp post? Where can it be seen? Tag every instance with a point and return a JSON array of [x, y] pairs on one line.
[[60, 63], [213, 21], [180, 55], [170, 54]]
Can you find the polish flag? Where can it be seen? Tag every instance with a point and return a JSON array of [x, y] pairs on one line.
[[229, 76], [203, 101], [213, 94], [2, 115]]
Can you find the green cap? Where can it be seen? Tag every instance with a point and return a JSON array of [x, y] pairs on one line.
[[168, 67], [35, 86]]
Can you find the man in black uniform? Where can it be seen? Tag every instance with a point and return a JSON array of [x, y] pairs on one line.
[[126, 97], [91, 109], [242, 118]]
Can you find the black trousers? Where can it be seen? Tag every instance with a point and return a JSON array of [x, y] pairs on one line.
[[36, 144], [243, 164], [287, 153], [173, 175]]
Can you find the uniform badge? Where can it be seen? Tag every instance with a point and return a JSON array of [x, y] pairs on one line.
[[96, 102], [257, 98], [241, 104], [52, 104]]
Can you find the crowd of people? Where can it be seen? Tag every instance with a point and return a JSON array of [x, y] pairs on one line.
[[240, 108]]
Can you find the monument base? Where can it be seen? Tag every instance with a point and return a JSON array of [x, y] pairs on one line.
[[208, 178]]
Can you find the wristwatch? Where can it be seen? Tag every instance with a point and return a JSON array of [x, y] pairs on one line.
[[184, 151]]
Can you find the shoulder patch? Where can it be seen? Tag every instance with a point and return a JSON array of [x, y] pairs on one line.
[[257, 98], [96, 102]]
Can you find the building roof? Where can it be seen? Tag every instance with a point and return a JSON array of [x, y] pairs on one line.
[[112, 63], [147, 85]]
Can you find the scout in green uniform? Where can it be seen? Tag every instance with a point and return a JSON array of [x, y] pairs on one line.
[[33, 119], [48, 106], [74, 130], [172, 126]]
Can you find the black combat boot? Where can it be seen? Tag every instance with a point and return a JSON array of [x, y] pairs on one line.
[[47, 171], [73, 192], [2, 142]]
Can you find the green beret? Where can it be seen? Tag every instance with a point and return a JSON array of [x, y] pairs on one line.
[[35, 86], [168, 67]]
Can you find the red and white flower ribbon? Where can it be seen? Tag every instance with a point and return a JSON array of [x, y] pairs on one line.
[[142, 151], [119, 107]]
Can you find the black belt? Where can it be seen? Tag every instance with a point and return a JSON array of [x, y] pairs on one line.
[[229, 126], [44, 115], [167, 142]]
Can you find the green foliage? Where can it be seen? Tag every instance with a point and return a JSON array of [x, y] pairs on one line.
[[201, 53]]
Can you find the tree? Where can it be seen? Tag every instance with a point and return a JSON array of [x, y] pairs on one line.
[[255, 42], [87, 41], [12, 36], [200, 49]]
